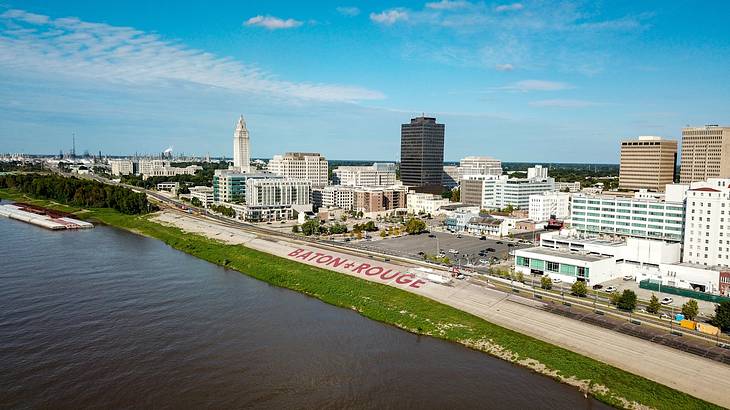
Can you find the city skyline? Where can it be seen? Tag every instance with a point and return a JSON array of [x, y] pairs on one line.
[[126, 83]]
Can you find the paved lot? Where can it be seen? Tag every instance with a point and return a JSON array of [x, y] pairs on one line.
[[468, 246]]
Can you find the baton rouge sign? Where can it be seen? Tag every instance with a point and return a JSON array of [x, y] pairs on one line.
[[366, 269]]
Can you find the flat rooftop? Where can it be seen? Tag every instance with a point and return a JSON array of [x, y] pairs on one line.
[[563, 253]]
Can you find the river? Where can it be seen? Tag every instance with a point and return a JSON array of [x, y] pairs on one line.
[[107, 319]]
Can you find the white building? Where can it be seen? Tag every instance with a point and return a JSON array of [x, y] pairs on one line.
[[707, 226], [451, 177], [426, 203], [549, 204], [649, 218], [122, 166], [567, 186], [203, 193], [241, 147], [569, 257], [277, 192], [473, 165], [537, 172], [336, 196], [499, 193], [302, 166], [378, 174], [229, 185]]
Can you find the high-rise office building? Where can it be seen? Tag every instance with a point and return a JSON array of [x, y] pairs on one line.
[[647, 163], [241, 147], [422, 154], [705, 153]]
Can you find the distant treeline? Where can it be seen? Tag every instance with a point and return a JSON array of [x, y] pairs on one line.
[[78, 192], [20, 166]]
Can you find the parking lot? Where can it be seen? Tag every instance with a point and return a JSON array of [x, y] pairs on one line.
[[706, 308], [468, 247]]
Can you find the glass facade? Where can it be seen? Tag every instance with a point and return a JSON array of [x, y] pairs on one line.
[[422, 155]]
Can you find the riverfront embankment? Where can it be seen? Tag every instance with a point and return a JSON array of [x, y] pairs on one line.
[[417, 314]]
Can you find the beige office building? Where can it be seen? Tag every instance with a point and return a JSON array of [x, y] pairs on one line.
[[647, 163], [705, 153]]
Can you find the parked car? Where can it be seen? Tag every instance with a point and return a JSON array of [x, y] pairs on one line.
[[460, 276], [597, 287], [610, 289], [490, 250], [458, 236], [556, 280], [431, 236], [628, 277], [454, 251], [441, 255], [483, 261], [511, 245], [421, 253], [499, 242], [667, 301], [482, 238]]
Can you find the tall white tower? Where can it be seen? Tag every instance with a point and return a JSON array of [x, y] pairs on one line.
[[241, 147]]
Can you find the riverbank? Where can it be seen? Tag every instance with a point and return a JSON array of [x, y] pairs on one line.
[[411, 312]]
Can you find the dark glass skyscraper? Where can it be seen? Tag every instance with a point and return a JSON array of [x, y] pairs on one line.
[[422, 154]]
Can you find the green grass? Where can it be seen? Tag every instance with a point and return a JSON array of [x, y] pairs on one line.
[[413, 313]]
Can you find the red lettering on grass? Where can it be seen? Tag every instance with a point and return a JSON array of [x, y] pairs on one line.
[[405, 279], [305, 255], [417, 284], [315, 256], [336, 262], [362, 267], [375, 270], [393, 276]]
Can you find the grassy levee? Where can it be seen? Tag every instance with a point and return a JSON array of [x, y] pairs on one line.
[[411, 312]]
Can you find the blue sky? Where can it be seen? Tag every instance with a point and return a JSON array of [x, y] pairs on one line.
[[521, 81]]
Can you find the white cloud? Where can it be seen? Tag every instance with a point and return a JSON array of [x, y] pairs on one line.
[[348, 11], [389, 17], [272, 23], [448, 5], [509, 7], [558, 103], [504, 67], [97, 53], [535, 85]]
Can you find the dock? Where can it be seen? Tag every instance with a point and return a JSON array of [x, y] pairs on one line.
[[41, 217]]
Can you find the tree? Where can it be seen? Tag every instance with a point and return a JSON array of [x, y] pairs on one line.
[[690, 309], [627, 301], [654, 304], [614, 298], [196, 202], [383, 234], [546, 283], [455, 195], [519, 277], [579, 288], [311, 227], [295, 229], [338, 228], [722, 316], [414, 226]]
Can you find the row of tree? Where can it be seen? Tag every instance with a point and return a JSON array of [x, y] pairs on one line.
[[78, 192]]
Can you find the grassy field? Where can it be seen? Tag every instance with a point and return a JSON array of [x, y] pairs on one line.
[[412, 313]]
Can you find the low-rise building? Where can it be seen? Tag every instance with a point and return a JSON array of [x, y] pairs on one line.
[[122, 166], [373, 200], [204, 194], [168, 186], [567, 186], [425, 203], [334, 196], [571, 257]]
